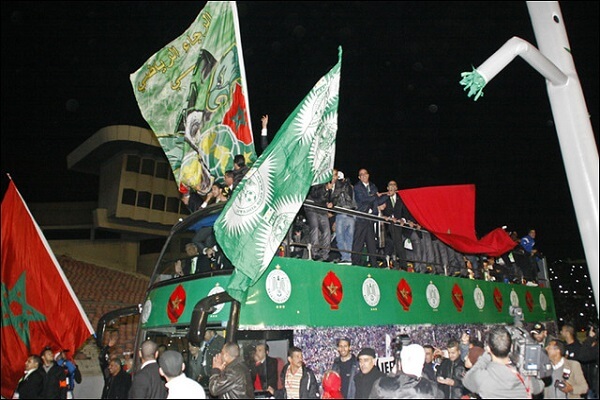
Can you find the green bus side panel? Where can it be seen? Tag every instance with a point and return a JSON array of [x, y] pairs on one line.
[[303, 293]]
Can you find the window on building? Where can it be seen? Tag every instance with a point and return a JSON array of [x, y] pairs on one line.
[[162, 170], [173, 204], [148, 166], [129, 196], [158, 202], [143, 199], [133, 163]]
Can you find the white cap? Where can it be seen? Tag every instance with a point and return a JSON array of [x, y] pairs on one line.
[[340, 175], [412, 358]]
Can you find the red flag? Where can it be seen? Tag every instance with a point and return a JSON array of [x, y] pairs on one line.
[[448, 212], [39, 307]]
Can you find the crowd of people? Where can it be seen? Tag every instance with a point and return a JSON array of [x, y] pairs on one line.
[[465, 367], [357, 224]]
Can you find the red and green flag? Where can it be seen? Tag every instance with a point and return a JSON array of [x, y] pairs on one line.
[[193, 95], [39, 307]]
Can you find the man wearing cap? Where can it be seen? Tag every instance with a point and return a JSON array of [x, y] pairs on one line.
[[369, 373], [409, 383], [540, 334], [346, 365], [171, 366]]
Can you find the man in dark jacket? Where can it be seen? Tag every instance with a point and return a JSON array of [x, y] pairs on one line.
[[147, 382], [369, 373], [264, 369], [295, 374], [31, 385], [55, 380], [451, 371], [118, 382], [230, 377], [346, 365]]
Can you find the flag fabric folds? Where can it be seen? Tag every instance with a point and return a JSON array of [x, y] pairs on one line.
[[448, 212], [39, 307], [193, 95], [257, 217]]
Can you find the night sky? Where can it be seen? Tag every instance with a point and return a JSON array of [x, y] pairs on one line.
[[402, 114]]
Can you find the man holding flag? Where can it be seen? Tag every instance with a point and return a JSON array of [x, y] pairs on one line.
[[39, 306], [258, 216]]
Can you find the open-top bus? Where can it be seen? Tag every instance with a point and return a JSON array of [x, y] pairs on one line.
[[310, 304]]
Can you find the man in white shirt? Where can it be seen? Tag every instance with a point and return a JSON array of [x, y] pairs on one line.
[[171, 366]]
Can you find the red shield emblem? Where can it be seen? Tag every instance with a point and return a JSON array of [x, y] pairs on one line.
[[404, 294], [332, 290], [176, 304], [457, 297]]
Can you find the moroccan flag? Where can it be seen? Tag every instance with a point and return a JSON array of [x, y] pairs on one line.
[[265, 203], [39, 307], [448, 212], [193, 95]]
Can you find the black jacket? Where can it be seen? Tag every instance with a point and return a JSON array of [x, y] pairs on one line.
[[267, 372], [309, 388], [32, 387], [148, 384], [402, 386], [453, 370], [233, 382], [364, 382], [117, 387], [55, 382]]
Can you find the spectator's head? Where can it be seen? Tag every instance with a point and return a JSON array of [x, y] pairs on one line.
[[191, 249], [230, 352], [33, 362], [114, 366], [228, 178], [343, 347], [499, 342], [261, 352], [428, 353], [239, 161], [539, 332], [170, 364], [149, 350], [295, 357], [412, 358], [363, 175], [47, 355], [161, 349], [366, 359], [453, 349], [567, 332], [556, 350]]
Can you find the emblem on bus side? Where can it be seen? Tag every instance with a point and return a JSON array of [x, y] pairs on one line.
[[146, 310], [370, 292], [479, 298], [217, 289], [433, 295], [278, 286]]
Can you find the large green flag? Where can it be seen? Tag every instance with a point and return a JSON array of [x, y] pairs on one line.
[[265, 203], [193, 95]]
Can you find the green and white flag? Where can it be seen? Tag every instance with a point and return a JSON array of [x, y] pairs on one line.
[[193, 95], [265, 203]]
